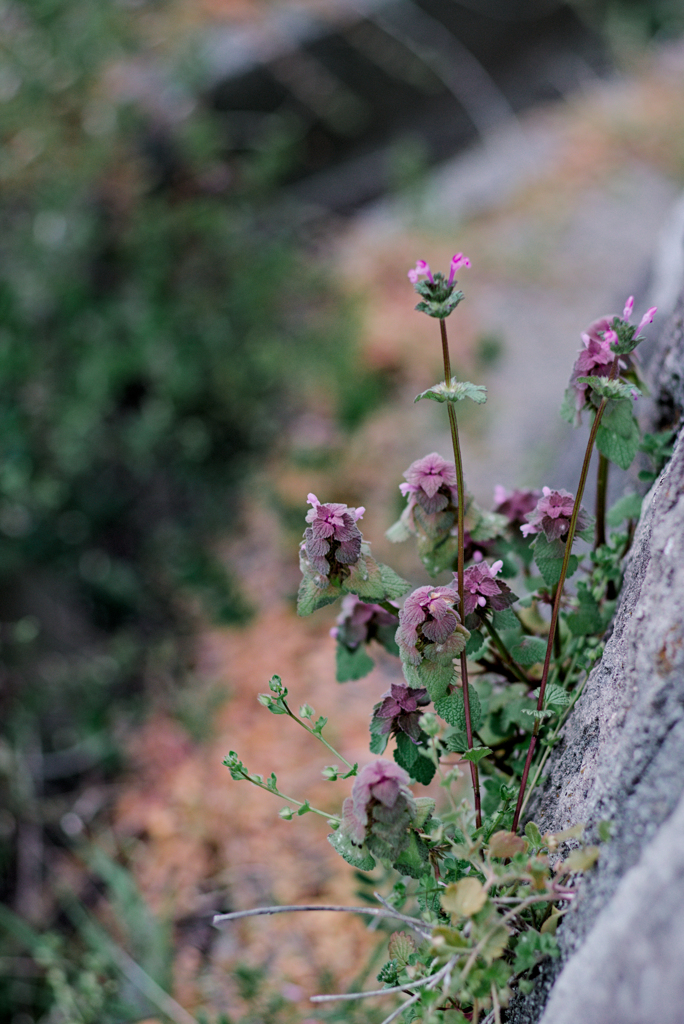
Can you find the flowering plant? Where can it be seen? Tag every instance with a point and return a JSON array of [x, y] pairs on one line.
[[488, 680]]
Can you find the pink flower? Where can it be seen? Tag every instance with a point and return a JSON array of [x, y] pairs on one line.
[[629, 306], [552, 515], [647, 318], [483, 590], [333, 536], [431, 481], [595, 359], [380, 782], [422, 270], [457, 261]]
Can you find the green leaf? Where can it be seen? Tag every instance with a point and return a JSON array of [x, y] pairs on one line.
[[531, 947], [310, 597], [530, 650], [413, 860], [451, 708], [555, 694], [435, 677], [352, 664], [408, 756], [505, 620], [398, 532], [436, 308], [365, 580], [476, 754], [534, 835], [568, 409], [378, 740], [615, 389], [455, 391], [627, 507], [588, 619], [358, 856], [618, 436], [549, 560], [475, 644], [394, 585]]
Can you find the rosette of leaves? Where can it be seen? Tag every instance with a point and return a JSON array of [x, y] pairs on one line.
[[335, 560], [357, 626], [430, 636], [439, 297]]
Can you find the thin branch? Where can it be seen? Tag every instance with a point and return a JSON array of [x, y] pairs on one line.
[[370, 911]]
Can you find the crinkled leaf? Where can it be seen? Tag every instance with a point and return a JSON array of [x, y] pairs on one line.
[[530, 650], [400, 947], [627, 507], [394, 585], [365, 580], [435, 677], [358, 856], [438, 557], [425, 807], [618, 417], [451, 708], [352, 664], [505, 620], [549, 562], [409, 757], [455, 391], [556, 695], [568, 409], [616, 445], [440, 310], [310, 597]]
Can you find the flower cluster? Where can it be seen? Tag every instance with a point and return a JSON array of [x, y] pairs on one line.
[[359, 623], [430, 482], [552, 515], [380, 794], [399, 710], [482, 590], [607, 339], [515, 504], [333, 539], [438, 292], [429, 620]]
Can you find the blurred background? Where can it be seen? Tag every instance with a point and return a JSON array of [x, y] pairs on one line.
[[207, 212]]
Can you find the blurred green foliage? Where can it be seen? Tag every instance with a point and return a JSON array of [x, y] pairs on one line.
[[160, 325]]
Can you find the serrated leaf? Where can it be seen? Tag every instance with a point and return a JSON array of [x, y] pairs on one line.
[[627, 507], [451, 708], [615, 390], [475, 754], [505, 621], [358, 856], [394, 585], [618, 437], [530, 651], [400, 947], [409, 757], [556, 695], [310, 597], [455, 391], [352, 664], [365, 580], [378, 740], [413, 860], [549, 562], [434, 677], [464, 898]]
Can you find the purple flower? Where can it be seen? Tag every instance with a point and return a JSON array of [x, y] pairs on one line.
[[429, 617], [552, 515], [514, 504], [358, 622], [595, 359], [629, 306], [399, 708], [431, 482], [457, 261], [483, 590], [380, 782], [333, 536], [422, 270], [647, 318]]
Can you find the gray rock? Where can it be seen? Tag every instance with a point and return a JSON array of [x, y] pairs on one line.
[[621, 759]]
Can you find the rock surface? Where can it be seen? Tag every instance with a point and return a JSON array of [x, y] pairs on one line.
[[621, 759]]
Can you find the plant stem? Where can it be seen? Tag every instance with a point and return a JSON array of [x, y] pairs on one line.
[[600, 510], [237, 915], [505, 653], [556, 604], [313, 732], [460, 487], [290, 799]]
